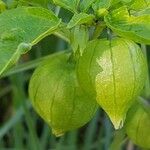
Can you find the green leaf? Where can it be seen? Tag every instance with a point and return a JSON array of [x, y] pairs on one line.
[[86, 4], [22, 28], [143, 12], [135, 27], [132, 4], [71, 5], [79, 19], [43, 3], [101, 7], [17, 3], [101, 4], [139, 4], [114, 2]]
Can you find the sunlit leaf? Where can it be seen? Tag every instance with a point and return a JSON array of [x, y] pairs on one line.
[[86, 4], [81, 18], [22, 28], [132, 26], [71, 5]]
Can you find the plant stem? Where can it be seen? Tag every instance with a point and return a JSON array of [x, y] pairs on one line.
[[145, 105], [91, 130], [98, 30], [29, 65], [14, 120], [108, 132], [147, 84], [35, 141], [119, 139], [57, 10], [130, 146], [62, 36], [59, 33]]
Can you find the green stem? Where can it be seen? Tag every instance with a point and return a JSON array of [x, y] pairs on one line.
[[108, 132], [118, 141], [98, 30], [63, 32], [130, 145], [32, 131], [62, 36], [147, 84], [18, 82], [57, 10], [29, 65], [91, 131], [145, 105], [14, 120]]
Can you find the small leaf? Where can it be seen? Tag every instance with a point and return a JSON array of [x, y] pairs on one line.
[[80, 38], [101, 7], [71, 5], [100, 4], [22, 28], [135, 27], [79, 19], [86, 4]]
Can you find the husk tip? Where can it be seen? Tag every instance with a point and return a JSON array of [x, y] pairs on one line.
[[58, 133], [118, 124]]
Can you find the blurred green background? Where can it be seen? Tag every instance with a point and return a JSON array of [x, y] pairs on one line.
[[22, 129]]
